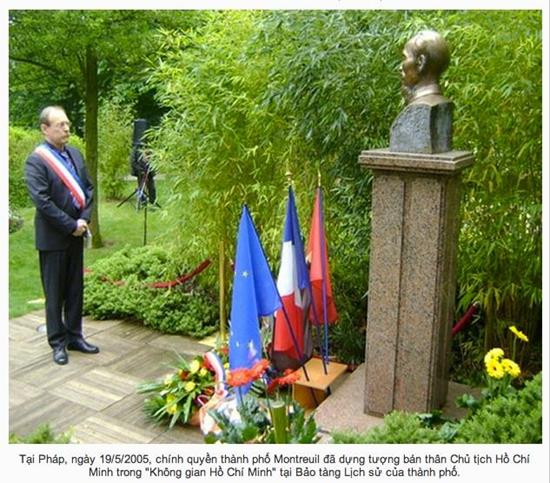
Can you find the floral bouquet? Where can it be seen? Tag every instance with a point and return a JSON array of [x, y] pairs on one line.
[[179, 395], [266, 412]]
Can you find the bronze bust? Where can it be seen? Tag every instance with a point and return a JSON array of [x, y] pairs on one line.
[[425, 125]]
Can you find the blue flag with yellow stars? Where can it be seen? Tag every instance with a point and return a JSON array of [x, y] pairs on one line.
[[254, 295]]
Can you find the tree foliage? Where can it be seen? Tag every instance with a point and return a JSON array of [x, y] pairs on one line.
[[67, 54], [252, 95]]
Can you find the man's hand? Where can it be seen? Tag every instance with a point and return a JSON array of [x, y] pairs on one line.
[[81, 227]]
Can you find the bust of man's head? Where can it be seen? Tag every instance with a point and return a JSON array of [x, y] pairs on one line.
[[426, 58]]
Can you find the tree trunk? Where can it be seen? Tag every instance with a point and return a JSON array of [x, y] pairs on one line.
[[91, 139]]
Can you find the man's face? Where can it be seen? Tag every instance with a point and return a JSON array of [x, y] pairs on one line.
[[410, 75], [57, 131]]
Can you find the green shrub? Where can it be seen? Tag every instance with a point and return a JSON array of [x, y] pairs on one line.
[[398, 428], [21, 144], [117, 287], [42, 435], [514, 417], [15, 221]]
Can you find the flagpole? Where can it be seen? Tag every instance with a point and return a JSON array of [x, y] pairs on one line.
[[317, 324]]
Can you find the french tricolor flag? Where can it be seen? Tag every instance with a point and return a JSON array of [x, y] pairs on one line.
[[288, 333]]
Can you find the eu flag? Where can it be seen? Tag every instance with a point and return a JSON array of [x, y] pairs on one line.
[[254, 295]]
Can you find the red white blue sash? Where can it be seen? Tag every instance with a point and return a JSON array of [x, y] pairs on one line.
[[58, 166]]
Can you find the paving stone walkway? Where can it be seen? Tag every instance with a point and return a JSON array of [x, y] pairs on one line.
[[94, 396]]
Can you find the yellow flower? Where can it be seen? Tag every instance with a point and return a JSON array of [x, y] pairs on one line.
[[510, 367], [168, 379], [172, 405], [194, 366], [203, 372], [493, 354], [518, 333], [494, 369], [189, 386]]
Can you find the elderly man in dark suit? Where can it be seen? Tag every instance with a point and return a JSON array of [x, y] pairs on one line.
[[62, 193]]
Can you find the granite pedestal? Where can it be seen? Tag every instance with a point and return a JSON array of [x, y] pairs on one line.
[[415, 208]]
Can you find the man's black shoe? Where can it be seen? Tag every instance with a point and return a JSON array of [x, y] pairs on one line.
[[60, 356], [81, 345]]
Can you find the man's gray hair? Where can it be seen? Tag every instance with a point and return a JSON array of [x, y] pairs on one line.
[[46, 113]]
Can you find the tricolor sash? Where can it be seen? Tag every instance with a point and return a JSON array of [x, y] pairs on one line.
[[52, 159]]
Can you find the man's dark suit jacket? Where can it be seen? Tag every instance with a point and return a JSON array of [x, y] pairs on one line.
[[56, 215]]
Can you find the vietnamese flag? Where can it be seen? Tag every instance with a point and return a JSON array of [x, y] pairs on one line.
[[288, 331], [322, 309]]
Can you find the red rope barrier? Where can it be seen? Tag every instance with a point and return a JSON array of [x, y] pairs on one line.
[[465, 320], [169, 284], [184, 278]]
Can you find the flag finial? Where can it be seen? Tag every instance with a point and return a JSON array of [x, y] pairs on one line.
[[288, 175], [318, 177]]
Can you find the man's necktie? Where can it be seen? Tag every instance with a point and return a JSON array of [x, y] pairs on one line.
[[68, 163]]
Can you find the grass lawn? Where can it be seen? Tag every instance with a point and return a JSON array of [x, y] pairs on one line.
[[119, 226]]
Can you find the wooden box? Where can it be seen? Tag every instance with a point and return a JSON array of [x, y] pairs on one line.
[[309, 394]]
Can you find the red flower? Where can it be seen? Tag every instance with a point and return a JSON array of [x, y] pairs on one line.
[[239, 377], [259, 368], [288, 378]]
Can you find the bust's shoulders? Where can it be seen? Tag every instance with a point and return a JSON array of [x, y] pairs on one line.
[[423, 127], [430, 100]]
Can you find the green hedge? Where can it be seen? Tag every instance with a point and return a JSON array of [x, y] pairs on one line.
[[118, 287]]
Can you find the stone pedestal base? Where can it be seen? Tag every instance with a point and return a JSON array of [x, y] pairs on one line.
[[415, 206]]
